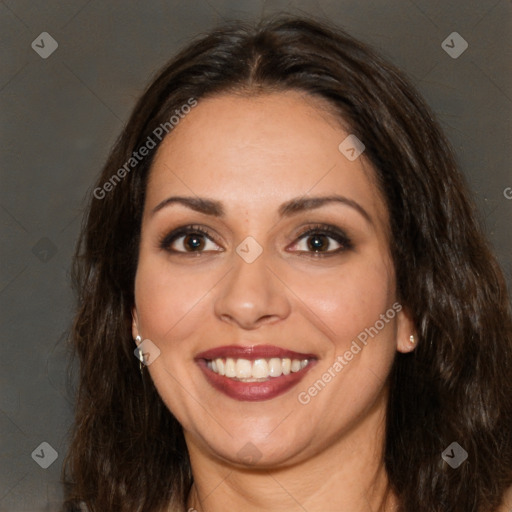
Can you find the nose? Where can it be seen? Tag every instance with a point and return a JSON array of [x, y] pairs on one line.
[[252, 294]]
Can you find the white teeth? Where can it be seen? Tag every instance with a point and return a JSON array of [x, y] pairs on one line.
[[258, 370], [230, 367], [243, 369], [274, 367]]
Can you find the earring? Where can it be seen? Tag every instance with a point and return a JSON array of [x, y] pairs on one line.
[[411, 339], [138, 340]]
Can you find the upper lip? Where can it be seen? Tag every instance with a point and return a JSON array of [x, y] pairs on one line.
[[252, 352]]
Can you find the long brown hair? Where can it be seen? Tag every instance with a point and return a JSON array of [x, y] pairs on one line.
[[127, 451]]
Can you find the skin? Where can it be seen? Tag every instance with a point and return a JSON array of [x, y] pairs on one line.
[[253, 153]]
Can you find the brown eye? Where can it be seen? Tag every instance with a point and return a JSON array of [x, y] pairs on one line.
[[318, 242], [324, 241], [189, 239], [194, 242]]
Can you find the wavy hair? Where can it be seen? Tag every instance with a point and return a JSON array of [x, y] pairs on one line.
[[127, 451]]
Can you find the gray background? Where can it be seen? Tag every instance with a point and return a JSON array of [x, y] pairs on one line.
[[60, 116]]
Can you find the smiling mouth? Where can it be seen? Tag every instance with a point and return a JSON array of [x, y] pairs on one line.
[[253, 373]]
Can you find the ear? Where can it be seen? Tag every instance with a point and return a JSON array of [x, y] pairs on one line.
[[405, 329], [135, 323]]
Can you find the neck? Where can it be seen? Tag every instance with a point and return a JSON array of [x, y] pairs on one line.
[[348, 476]]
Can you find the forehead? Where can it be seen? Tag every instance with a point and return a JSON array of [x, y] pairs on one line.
[[255, 151]]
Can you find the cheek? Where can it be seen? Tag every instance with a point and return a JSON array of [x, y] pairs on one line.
[[170, 308], [348, 300], [169, 302]]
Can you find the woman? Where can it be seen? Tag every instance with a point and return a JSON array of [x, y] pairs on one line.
[[282, 237]]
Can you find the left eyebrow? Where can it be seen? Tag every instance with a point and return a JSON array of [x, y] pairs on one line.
[[309, 203]]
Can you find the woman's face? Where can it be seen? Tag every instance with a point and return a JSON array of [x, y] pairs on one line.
[[304, 327]]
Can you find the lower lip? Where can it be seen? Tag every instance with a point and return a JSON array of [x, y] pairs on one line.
[[253, 391]]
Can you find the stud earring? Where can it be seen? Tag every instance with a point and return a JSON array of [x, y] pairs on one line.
[[411, 339]]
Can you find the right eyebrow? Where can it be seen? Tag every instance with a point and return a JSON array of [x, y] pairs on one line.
[[201, 205]]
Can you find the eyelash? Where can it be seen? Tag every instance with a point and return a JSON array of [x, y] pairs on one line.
[[318, 229]]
